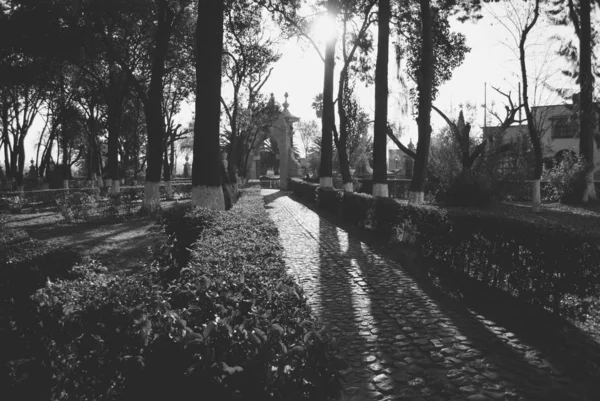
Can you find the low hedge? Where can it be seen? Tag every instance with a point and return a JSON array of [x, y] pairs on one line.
[[231, 326], [48, 197], [536, 261], [358, 208], [329, 199], [304, 190]]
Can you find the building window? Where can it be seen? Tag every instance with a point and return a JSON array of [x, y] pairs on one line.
[[565, 128]]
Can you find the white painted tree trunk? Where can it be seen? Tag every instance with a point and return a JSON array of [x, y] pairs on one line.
[[151, 197], [116, 186], [66, 184], [416, 197], [348, 187], [380, 190], [169, 190], [108, 184], [536, 196], [326, 182], [590, 190], [209, 197]]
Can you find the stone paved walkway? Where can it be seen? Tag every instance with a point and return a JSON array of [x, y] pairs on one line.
[[400, 343]]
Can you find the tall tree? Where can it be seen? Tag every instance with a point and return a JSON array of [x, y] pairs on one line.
[[425, 76], [206, 169], [381, 101], [143, 48], [248, 58], [586, 85], [432, 51], [578, 13], [328, 119], [532, 127], [352, 41]]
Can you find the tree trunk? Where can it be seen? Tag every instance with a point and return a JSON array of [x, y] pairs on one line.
[[167, 175], [425, 87], [342, 141], [154, 153], [172, 158], [21, 160], [113, 128], [328, 118], [586, 83], [380, 187], [153, 110], [344, 163], [531, 126], [233, 160], [206, 168]]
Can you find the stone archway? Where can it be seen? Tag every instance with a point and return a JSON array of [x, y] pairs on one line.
[[281, 132]]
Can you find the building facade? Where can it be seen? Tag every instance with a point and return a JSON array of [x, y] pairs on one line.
[[559, 130]]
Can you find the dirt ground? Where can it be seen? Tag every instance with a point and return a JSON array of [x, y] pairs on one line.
[[121, 245]]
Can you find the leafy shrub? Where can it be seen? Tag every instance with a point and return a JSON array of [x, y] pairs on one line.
[[76, 205], [47, 197], [231, 326], [129, 199], [15, 203], [430, 222], [112, 205], [329, 199], [25, 266], [358, 208], [305, 190], [182, 227], [537, 262], [566, 178]]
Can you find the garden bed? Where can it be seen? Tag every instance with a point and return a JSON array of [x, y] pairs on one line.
[[226, 323]]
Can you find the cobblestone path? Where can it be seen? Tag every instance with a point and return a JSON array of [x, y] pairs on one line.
[[400, 343]]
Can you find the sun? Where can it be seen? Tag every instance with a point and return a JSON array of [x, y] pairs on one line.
[[324, 28]]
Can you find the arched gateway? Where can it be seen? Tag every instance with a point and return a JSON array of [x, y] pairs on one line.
[[282, 132]]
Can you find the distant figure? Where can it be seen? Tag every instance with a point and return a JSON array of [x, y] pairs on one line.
[[186, 168]]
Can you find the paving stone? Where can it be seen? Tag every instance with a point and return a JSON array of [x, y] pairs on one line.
[[468, 389], [392, 333], [478, 397]]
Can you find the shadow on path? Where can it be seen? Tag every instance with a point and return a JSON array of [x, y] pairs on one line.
[[405, 338]]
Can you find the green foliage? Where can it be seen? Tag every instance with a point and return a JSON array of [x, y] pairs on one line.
[[566, 178], [449, 47], [305, 190], [76, 205], [15, 203], [231, 326], [444, 162], [182, 226], [538, 262], [358, 208], [329, 199]]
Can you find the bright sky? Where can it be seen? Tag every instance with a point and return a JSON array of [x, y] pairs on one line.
[[300, 73]]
